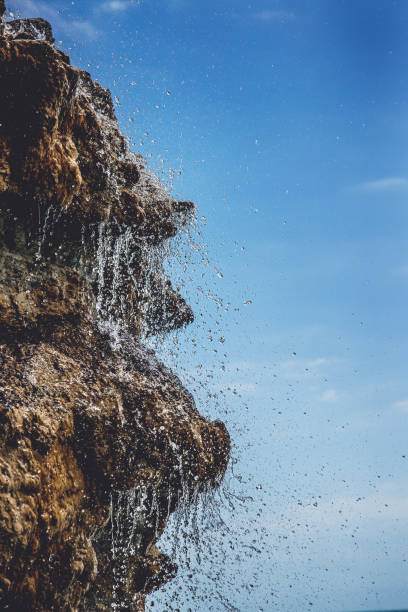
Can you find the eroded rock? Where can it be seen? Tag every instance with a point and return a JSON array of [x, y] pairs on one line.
[[88, 425]]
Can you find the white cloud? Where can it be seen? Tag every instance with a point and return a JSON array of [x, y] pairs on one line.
[[298, 368], [315, 363], [115, 6], [80, 27], [329, 396], [32, 8], [393, 183], [273, 16], [402, 405]]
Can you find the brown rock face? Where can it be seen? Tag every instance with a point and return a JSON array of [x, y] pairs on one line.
[[98, 439]]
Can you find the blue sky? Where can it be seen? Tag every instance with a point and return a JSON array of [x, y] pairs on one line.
[[286, 122]]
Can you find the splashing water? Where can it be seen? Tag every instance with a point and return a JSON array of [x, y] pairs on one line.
[[199, 537], [128, 274]]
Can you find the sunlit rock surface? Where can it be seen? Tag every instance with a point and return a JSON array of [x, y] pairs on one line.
[[99, 440]]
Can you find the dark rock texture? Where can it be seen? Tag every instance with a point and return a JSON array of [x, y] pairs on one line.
[[98, 439]]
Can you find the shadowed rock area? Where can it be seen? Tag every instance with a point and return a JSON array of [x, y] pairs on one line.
[[99, 441]]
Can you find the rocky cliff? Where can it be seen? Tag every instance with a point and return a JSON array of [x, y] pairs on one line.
[[99, 441]]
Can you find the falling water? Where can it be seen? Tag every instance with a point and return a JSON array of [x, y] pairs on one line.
[[201, 537]]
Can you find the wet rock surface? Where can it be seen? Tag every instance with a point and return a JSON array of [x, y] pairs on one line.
[[99, 441]]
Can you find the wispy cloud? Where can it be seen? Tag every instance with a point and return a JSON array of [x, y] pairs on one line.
[[402, 405], [387, 504], [32, 8], [329, 396], [401, 271], [269, 16], [176, 5], [79, 27], [115, 6], [298, 368], [393, 183], [315, 363]]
